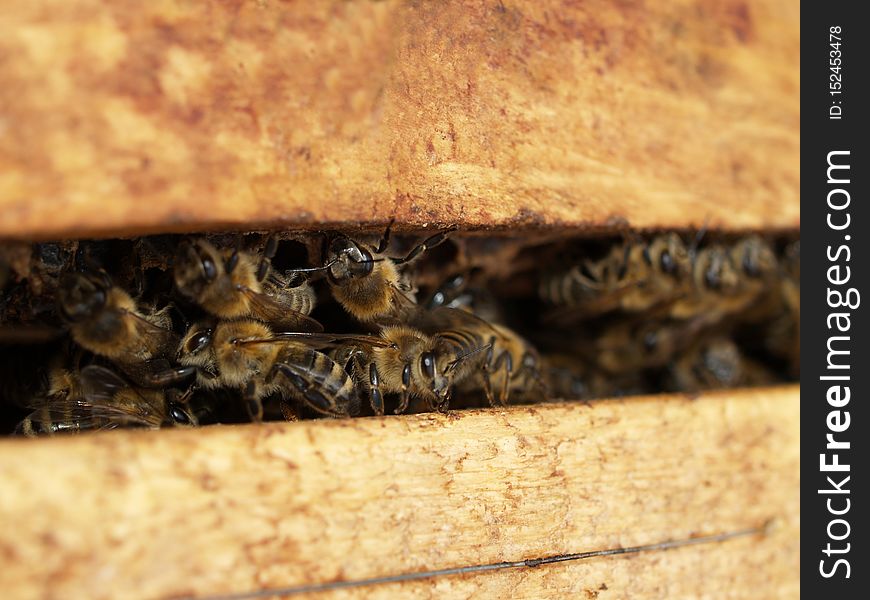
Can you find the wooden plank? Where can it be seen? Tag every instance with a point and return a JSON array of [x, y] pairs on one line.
[[238, 509], [120, 118]]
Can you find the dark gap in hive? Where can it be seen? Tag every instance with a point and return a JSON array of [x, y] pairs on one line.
[[502, 272]]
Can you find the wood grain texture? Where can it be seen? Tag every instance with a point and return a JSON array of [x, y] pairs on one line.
[[238, 509], [126, 117]]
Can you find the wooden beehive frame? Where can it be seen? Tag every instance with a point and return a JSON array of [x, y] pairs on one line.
[[239, 509], [159, 117]]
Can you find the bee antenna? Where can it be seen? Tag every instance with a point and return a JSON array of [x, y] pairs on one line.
[[463, 357], [699, 236], [326, 266], [323, 267]]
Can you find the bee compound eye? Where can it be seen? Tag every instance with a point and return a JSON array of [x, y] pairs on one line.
[[209, 269], [427, 364], [650, 341], [750, 264], [667, 262], [179, 415], [198, 341], [529, 361], [712, 277], [438, 299]]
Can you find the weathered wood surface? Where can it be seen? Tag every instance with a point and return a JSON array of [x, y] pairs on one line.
[[239, 509], [123, 117]]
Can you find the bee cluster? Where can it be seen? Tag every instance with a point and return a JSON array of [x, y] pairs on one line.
[[170, 330]]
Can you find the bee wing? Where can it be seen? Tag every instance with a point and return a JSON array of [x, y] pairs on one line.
[[71, 415], [100, 384], [443, 317], [141, 414], [271, 310], [63, 418], [158, 339], [403, 300], [594, 306], [100, 389], [311, 390], [322, 340]]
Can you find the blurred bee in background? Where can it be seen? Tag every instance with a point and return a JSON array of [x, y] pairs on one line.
[[459, 292], [632, 345], [367, 282], [715, 363], [232, 284], [633, 277], [727, 279], [781, 320], [97, 398], [569, 378], [105, 320], [247, 356]]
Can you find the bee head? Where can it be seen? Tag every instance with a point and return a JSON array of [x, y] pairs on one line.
[[669, 255], [81, 296], [756, 258], [438, 381], [716, 271], [197, 350], [347, 260], [196, 266]]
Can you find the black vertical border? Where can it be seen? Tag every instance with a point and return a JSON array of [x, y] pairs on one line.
[[821, 135]]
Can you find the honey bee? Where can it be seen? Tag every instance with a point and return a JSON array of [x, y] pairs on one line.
[[510, 365], [400, 360], [636, 344], [246, 355], [715, 363], [633, 277], [458, 292], [366, 282], [727, 279], [106, 320], [407, 360], [97, 398], [571, 379], [783, 335], [234, 284], [485, 356]]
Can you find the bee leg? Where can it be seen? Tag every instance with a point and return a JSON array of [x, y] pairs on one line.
[[486, 366], [266, 260], [505, 362], [445, 404], [426, 244], [309, 391], [233, 260], [289, 411], [253, 402], [375, 396], [406, 383], [138, 277], [166, 377], [385, 240]]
